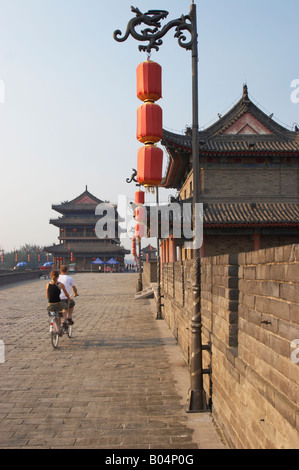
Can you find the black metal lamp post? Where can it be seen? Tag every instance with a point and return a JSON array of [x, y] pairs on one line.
[[159, 311], [153, 35], [139, 281]]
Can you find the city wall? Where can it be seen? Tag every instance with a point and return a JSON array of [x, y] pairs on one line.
[[19, 276], [250, 318]]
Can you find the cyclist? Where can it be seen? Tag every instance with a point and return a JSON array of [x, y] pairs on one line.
[[53, 291], [68, 281]]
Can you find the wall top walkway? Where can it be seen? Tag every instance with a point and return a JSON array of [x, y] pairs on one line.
[[119, 383]]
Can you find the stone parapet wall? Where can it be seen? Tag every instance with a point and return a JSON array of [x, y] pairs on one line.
[[250, 317], [20, 276]]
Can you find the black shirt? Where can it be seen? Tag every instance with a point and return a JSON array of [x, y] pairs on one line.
[[54, 293]]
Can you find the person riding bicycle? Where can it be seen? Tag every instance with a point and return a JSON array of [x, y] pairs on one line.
[[69, 283], [53, 291]]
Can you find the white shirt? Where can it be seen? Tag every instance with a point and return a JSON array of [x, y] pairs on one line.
[[68, 282]]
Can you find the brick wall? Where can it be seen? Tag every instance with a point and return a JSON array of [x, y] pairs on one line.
[[250, 315], [236, 184], [221, 244]]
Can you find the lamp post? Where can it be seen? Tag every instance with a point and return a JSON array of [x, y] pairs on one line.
[[159, 311], [139, 282], [153, 35]]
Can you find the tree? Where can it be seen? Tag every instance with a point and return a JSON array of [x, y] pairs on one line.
[[33, 255]]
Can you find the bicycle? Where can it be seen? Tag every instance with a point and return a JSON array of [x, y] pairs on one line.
[[56, 330]]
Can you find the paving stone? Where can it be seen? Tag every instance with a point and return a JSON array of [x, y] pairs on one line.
[[111, 386]]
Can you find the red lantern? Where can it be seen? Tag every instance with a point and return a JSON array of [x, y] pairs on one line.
[[2, 257], [139, 230], [139, 197], [149, 165], [140, 214], [149, 123], [149, 81]]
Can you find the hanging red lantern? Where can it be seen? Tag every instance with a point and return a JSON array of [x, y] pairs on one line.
[[149, 123], [149, 81], [139, 230], [149, 165], [139, 197], [140, 214]]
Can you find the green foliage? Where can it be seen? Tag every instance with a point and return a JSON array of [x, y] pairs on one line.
[[35, 251]]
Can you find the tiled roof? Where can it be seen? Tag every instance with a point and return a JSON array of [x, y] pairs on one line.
[[251, 214], [75, 221], [235, 214], [97, 247], [85, 201], [232, 143]]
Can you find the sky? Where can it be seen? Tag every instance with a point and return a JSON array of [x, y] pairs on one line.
[[68, 100]]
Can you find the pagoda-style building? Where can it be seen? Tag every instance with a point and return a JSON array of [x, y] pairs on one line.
[[149, 253], [248, 180], [78, 242]]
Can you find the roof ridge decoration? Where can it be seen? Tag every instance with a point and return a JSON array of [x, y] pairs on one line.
[[245, 92]]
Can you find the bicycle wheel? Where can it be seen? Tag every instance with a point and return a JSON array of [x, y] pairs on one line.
[[54, 333], [70, 331]]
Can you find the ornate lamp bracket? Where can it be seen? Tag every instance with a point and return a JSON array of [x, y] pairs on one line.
[[153, 33], [133, 177]]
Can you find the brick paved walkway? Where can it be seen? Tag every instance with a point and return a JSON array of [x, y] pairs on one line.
[[118, 383]]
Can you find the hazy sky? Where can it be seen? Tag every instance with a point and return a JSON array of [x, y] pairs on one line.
[[68, 118]]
